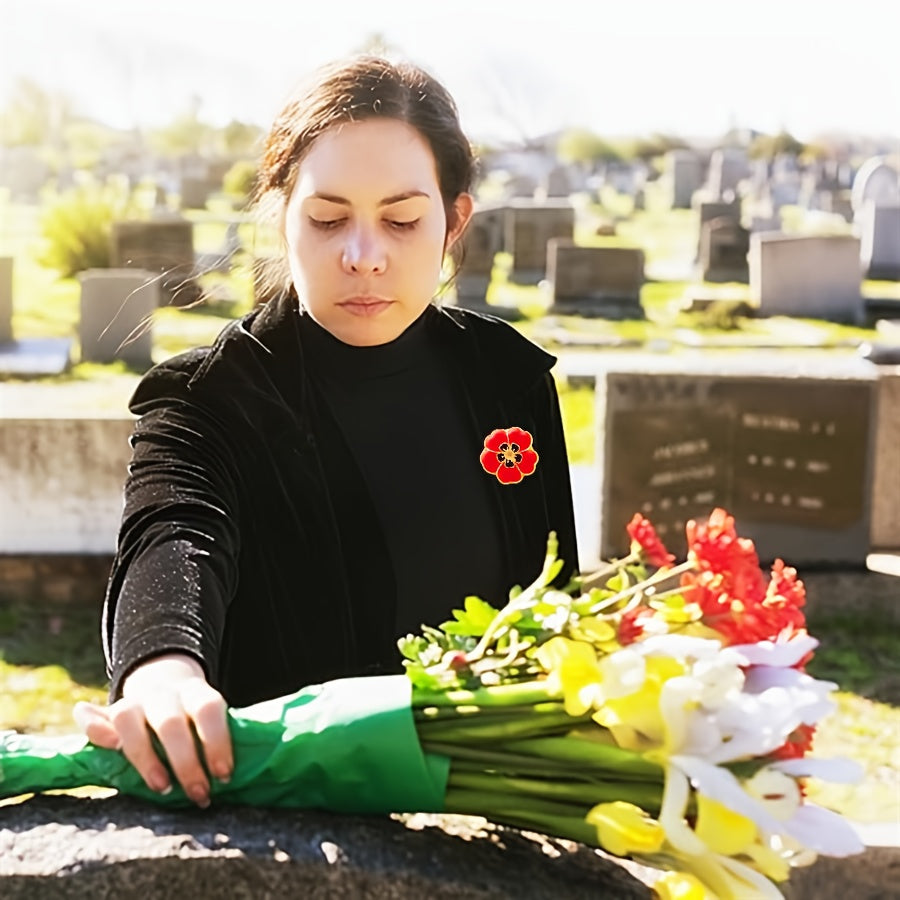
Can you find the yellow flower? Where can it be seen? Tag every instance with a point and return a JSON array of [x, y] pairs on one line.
[[681, 886], [597, 632], [573, 669], [623, 828], [721, 829], [635, 720]]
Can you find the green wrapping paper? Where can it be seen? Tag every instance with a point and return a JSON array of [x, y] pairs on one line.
[[348, 746]]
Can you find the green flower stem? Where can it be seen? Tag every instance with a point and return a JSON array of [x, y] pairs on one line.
[[590, 755], [523, 601], [559, 819], [496, 759], [605, 572], [640, 793], [524, 693], [444, 714], [506, 728], [636, 590]]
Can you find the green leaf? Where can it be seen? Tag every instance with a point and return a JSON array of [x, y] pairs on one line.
[[472, 621]]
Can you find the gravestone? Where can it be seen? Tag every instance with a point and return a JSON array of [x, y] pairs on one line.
[[521, 186], [728, 166], [789, 455], [806, 276], [724, 244], [528, 228], [876, 181], [684, 175], [163, 246], [838, 202], [595, 281], [558, 182], [880, 240], [482, 240], [6, 273], [116, 315], [27, 357], [716, 209], [196, 191], [886, 479]]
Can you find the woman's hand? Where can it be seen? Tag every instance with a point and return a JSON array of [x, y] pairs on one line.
[[167, 694]]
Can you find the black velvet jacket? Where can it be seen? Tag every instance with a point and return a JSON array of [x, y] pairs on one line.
[[230, 547]]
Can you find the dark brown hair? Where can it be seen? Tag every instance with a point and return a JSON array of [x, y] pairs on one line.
[[363, 88]]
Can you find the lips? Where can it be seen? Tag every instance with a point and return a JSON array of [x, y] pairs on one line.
[[365, 306]]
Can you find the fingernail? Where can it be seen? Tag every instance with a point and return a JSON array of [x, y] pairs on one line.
[[199, 795], [222, 773], [160, 784]]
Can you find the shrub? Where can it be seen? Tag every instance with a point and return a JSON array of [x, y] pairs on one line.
[[76, 225], [239, 179]]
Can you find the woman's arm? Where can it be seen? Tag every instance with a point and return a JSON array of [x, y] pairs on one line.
[[172, 579]]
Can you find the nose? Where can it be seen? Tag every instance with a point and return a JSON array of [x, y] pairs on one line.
[[364, 253]]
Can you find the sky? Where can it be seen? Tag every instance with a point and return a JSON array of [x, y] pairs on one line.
[[694, 68]]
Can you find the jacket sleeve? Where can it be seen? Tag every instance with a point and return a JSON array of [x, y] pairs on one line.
[[175, 569], [557, 485]]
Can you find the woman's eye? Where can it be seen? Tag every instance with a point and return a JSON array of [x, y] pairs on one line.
[[403, 226], [325, 224]]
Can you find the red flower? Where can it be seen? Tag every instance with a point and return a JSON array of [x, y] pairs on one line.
[[798, 744], [644, 534], [632, 624], [715, 547], [731, 589], [508, 454]]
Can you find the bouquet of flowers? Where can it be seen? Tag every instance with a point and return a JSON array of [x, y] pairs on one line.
[[658, 711]]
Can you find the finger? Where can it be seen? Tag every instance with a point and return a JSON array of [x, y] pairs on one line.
[[166, 716], [130, 722], [94, 722], [207, 709]]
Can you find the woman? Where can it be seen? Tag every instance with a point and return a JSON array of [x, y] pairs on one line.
[[343, 464]]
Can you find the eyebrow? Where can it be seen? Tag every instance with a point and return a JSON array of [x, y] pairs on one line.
[[387, 201]]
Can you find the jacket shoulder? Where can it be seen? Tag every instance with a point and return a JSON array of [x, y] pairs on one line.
[[501, 342]]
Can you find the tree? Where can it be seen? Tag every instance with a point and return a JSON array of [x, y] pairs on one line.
[[767, 146], [578, 145], [33, 117], [240, 138]]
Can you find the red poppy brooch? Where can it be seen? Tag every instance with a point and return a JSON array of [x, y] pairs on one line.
[[508, 454]]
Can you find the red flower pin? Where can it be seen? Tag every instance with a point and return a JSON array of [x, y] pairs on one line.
[[508, 454]]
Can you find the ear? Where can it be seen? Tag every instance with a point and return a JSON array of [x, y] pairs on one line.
[[463, 207]]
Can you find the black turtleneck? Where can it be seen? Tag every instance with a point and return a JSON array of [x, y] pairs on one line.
[[404, 420]]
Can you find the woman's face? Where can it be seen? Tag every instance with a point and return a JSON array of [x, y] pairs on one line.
[[366, 230]]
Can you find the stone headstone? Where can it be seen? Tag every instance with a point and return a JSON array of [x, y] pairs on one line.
[[482, 240], [789, 456], [521, 186], [724, 244], [116, 315], [880, 240], [163, 246], [837, 202], [595, 281], [886, 479], [557, 182], [716, 209], [6, 295], [684, 175], [876, 181], [196, 191], [806, 276], [728, 166], [529, 226]]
